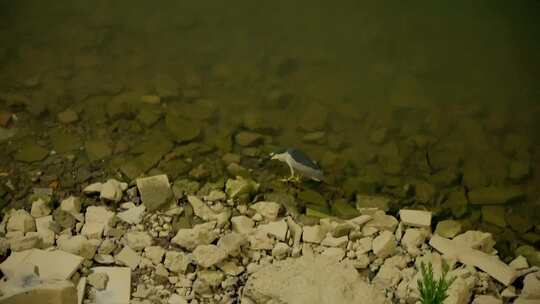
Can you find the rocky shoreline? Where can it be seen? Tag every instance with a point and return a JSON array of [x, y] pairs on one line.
[[147, 242]]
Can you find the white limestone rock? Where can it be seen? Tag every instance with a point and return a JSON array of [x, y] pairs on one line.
[[381, 221], [479, 240], [269, 210], [93, 188], [177, 261], [71, 205], [468, 256], [97, 219], [313, 234], [531, 287], [128, 257], [330, 241], [40, 208], [206, 213], [112, 190], [384, 244], [118, 288], [412, 239], [52, 265], [277, 229], [519, 263], [232, 242], [133, 215], [22, 221], [98, 280], [154, 253], [317, 280], [260, 240], [364, 245], [155, 191], [201, 234], [281, 251], [486, 299], [138, 240], [242, 224], [177, 299], [415, 218], [208, 255]]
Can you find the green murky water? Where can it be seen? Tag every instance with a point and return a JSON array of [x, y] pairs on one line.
[[432, 103]]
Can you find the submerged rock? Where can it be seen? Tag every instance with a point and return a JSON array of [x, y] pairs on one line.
[[31, 152], [492, 195]]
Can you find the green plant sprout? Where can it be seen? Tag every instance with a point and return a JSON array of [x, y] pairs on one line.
[[433, 291]]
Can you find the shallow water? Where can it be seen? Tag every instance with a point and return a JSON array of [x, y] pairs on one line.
[[426, 102]]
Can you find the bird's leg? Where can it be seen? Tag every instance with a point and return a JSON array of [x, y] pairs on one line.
[[290, 178]]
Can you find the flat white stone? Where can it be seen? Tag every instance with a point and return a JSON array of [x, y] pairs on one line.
[[531, 286], [93, 188], [128, 257], [154, 253], [242, 224], [54, 265], [206, 213], [208, 255], [381, 221], [112, 190], [232, 242], [519, 263], [364, 245], [71, 205], [177, 299], [93, 230], [138, 240], [81, 288], [201, 234], [490, 264], [486, 299], [269, 210], [177, 261], [331, 241], [277, 229], [415, 218], [133, 215], [313, 234], [412, 239], [384, 244], [22, 221], [118, 289], [40, 208]]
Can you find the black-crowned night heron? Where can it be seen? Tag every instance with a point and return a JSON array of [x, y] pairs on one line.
[[297, 160]]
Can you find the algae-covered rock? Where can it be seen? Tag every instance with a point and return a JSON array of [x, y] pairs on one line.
[[343, 209], [184, 187], [373, 201], [241, 188], [31, 152], [494, 215], [532, 255], [155, 191], [457, 202], [64, 142], [248, 139], [181, 129], [448, 228], [519, 170], [493, 195], [519, 222], [97, 149], [166, 86], [312, 197]]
